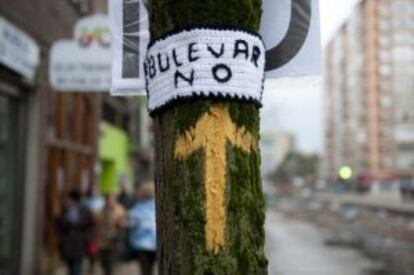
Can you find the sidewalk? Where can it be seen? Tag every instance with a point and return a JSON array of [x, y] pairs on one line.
[[402, 207], [121, 269]]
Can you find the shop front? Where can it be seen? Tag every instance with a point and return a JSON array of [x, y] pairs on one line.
[[18, 62], [11, 180]]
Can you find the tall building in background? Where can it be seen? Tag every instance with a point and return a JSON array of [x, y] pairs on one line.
[[275, 146], [369, 93], [285, 144]]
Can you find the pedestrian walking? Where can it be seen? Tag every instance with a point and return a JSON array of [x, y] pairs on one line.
[[124, 197], [110, 222], [75, 227], [142, 233], [95, 203]]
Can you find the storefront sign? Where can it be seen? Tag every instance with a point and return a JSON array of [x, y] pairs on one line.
[[18, 51], [92, 30], [75, 68], [83, 64], [291, 31]]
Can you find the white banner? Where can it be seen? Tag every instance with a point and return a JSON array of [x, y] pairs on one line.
[[291, 32], [130, 37], [201, 62], [18, 51], [83, 64]]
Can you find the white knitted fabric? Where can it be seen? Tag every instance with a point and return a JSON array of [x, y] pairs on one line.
[[205, 63]]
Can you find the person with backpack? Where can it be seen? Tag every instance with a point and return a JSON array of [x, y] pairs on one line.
[[110, 221], [75, 226], [142, 229]]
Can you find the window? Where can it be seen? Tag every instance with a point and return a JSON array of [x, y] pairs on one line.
[[385, 101], [406, 103], [9, 178], [385, 85], [385, 70], [403, 38], [404, 68], [388, 163], [405, 116], [384, 9], [404, 23], [401, 7], [384, 25], [405, 162], [404, 85], [403, 53], [404, 134], [384, 40], [384, 56], [406, 147]]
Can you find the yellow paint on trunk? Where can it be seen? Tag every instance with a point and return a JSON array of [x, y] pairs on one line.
[[211, 133]]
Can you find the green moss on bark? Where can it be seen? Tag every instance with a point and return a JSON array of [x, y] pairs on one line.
[[167, 15], [180, 185]]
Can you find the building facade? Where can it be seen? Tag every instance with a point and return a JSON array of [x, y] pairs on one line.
[[25, 117], [369, 93], [48, 140], [53, 141], [275, 146]]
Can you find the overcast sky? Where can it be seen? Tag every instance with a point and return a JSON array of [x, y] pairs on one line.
[[295, 105]]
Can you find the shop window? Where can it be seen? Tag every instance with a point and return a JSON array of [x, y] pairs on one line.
[[10, 164]]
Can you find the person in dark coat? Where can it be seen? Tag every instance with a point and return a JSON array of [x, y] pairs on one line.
[[75, 227], [123, 197]]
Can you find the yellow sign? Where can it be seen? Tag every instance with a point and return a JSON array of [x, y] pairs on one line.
[[211, 133]]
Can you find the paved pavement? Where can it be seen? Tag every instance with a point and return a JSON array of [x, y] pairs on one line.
[[297, 248], [370, 201], [120, 269]]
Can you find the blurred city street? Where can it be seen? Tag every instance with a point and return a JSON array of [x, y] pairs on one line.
[[124, 269], [297, 247], [137, 131], [294, 246]]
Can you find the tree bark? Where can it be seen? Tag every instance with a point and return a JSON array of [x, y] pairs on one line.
[[180, 186]]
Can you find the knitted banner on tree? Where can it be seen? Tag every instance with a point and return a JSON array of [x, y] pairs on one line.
[[205, 63]]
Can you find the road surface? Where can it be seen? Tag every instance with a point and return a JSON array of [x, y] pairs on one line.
[[297, 248]]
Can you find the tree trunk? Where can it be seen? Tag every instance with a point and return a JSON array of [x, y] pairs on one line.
[[190, 241]]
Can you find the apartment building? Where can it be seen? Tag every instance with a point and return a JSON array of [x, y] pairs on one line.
[[369, 93]]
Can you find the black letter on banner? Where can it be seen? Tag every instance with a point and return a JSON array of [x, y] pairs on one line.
[[241, 47], [167, 66], [152, 70], [296, 35], [177, 63], [192, 50], [224, 78], [214, 53], [146, 68], [256, 55], [178, 75]]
